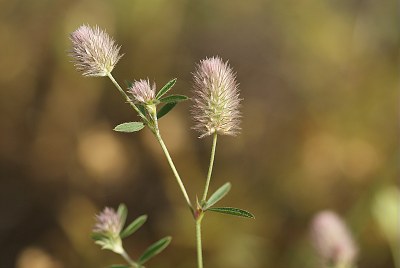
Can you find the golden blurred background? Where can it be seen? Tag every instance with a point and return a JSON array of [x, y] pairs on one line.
[[319, 81]]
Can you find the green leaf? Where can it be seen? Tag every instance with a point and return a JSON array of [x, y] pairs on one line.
[[217, 195], [166, 88], [233, 211], [166, 109], [134, 226], [122, 213], [128, 83], [173, 98], [154, 249], [98, 236], [129, 127], [142, 109], [118, 266]]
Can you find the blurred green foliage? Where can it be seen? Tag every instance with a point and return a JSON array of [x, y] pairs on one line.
[[319, 81]]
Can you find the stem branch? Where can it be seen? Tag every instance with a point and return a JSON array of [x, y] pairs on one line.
[[172, 165]]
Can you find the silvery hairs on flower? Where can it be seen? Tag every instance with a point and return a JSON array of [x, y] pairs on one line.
[[142, 92], [332, 240], [94, 52], [216, 98]]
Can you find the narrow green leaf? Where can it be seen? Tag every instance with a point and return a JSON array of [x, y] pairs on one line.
[[98, 236], [129, 127], [154, 249], [122, 213], [217, 195], [173, 98], [142, 109], [134, 226], [166, 109], [128, 83], [166, 88], [233, 211], [118, 266]]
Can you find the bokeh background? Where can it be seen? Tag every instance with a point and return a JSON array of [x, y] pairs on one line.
[[319, 81]]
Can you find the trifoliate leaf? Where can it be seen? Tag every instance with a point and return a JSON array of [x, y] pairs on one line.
[[165, 88], [134, 226], [217, 195], [233, 211], [129, 127], [154, 249]]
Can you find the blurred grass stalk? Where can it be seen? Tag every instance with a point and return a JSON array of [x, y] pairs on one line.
[[386, 210]]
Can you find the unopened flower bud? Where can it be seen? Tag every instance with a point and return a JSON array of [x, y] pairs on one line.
[[108, 226], [332, 240], [142, 92], [216, 98], [94, 52]]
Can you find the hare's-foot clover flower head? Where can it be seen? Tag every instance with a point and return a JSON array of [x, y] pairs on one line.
[[142, 92], [332, 240], [216, 98], [94, 52], [107, 230]]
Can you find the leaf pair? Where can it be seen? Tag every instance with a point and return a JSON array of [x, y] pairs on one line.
[[217, 196]]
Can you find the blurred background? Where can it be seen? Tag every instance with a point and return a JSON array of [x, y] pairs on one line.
[[319, 81]]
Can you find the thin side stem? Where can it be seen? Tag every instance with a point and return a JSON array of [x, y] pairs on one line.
[[172, 165], [126, 96], [129, 260], [210, 168], [198, 242]]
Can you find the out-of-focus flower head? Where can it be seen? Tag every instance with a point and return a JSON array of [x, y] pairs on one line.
[[107, 230], [142, 92], [332, 240], [216, 98], [94, 52]]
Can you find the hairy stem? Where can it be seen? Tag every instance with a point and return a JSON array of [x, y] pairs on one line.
[[129, 260], [210, 168], [172, 165]]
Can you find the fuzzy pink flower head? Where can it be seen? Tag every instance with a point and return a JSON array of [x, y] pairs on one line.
[[332, 240], [94, 52], [108, 222], [142, 92], [216, 98]]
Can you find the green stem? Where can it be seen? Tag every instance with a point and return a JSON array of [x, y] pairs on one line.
[[198, 240], [129, 260], [126, 97], [210, 168], [172, 165]]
